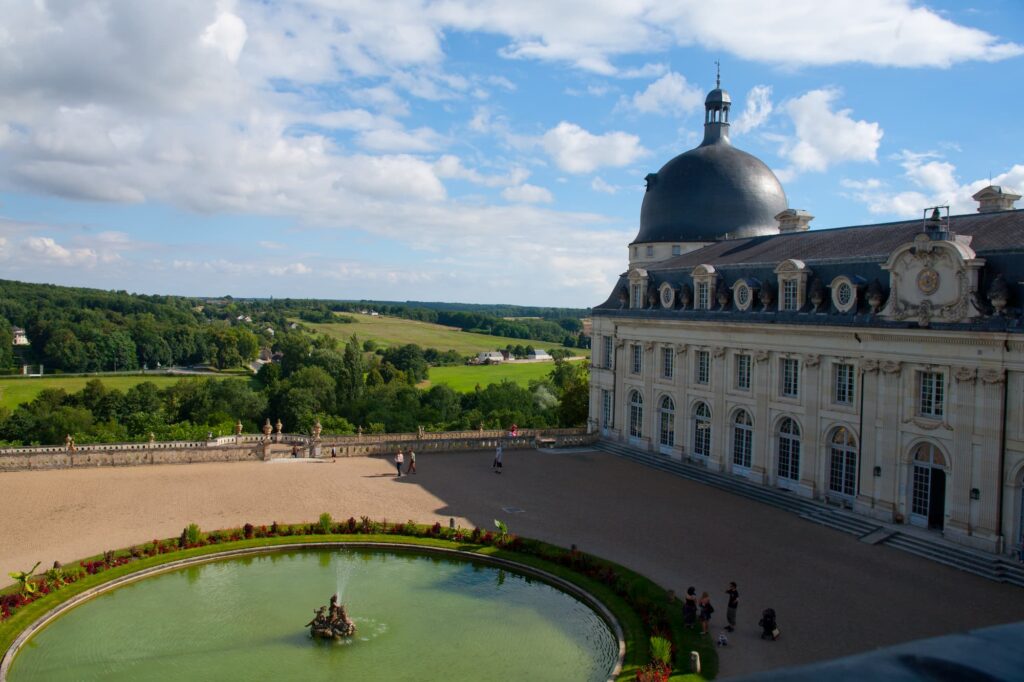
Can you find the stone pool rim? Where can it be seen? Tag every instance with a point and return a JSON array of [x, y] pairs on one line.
[[566, 586]]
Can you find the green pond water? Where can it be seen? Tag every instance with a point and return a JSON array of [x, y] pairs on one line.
[[419, 617]]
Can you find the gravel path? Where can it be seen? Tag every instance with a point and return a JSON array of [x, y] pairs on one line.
[[834, 595]]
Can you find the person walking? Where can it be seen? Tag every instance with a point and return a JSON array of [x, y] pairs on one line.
[[412, 462], [706, 609], [399, 460], [690, 608], [734, 601], [496, 465]]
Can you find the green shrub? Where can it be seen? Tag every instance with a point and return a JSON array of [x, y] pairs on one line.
[[193, 535], [326, 523], [661, 650]]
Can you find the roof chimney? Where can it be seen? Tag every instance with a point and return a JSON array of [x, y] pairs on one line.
[[794, 220], [993, 198]]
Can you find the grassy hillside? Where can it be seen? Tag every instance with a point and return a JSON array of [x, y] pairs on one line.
[[14, 392], [464, 378], [391, 331]]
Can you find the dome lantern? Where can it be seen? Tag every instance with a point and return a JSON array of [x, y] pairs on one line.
[[716, 112]]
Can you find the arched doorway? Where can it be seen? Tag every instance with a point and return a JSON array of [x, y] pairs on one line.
[[667, 425], [928, 487], [742, 441], [842, 473], [702, 430], [789, 453], [636, 416]]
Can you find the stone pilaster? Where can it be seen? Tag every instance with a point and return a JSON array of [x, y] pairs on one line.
[[812, 469], [869, 495], [719, 433], [958, 485], [762, 468], [649, 367], [893, 481]]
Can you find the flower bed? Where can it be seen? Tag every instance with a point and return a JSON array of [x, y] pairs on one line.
[[642, 608]]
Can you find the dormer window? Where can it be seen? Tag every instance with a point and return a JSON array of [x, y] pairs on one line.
[[667, 295], [703, 286], [637, 288], [844, 294], [793, 276]]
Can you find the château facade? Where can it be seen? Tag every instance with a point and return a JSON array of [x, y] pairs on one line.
[[877, 367]]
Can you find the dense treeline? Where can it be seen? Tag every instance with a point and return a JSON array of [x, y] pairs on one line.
[[493, 309], [317, 379]]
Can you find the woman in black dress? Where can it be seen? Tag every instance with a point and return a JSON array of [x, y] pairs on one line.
[[690, 608]]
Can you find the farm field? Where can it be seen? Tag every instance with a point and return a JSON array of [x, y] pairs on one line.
[[14, 392], [464, 378], [392, 331]]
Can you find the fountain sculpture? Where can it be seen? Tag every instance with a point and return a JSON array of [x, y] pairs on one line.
[[331, 622]]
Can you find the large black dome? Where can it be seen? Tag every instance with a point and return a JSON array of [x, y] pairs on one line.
[[711, 192]]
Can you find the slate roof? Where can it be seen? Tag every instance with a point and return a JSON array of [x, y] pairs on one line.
[[857, 252]]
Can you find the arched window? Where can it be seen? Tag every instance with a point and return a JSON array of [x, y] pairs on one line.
[[789, 450], [742, 439], [667, 421], [702, 430], [842, 477], [636, 414]]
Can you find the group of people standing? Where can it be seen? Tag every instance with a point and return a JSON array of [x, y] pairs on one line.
[[699, 610], [400, 460]]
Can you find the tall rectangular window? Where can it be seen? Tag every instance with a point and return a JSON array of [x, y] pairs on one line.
[[842, 384], [637, 352], [789, 298], [668, 356], [650, 251], [637, 299], [676, 249], [606, 408], [703, 369], [703, 296], [931, 402], [790, 377], [608, 346], [743, 372]]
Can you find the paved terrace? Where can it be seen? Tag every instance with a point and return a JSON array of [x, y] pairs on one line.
[[834, 595]]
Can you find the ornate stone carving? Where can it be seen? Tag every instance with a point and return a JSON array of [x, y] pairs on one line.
[[928, 424], [717, 352], [812, 360], [890, 366], [816, 293], [652, 296], [681, 348], [998, 294], [933, 279], [648, 346], [623, 297], [723, 297], [870, 365], [761, 355], [685, 295], [965, 374], [992, 376], [766, 296], [875, 296]]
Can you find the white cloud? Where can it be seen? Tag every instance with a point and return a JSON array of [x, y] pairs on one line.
[[290, 269], [598, 184], [227, 35], [935, 184], [757, 110], [449, 166], [825, 137], [669, 95], [527, 194], [391, 140], [576, 150], [46, 249]]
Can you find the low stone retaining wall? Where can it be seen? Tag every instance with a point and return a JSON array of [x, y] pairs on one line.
[[251, 448]]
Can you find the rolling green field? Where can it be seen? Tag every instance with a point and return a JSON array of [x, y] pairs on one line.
[[463, 378], [14, 392], [391, 331]]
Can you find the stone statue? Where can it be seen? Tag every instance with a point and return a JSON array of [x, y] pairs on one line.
[[69, 443], [317, 429], [238, 427], [267, 428], [278, 426], [359, 430], [152, 437], [332, 621]]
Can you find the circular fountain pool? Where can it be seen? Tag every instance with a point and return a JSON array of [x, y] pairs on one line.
[[419, 617]]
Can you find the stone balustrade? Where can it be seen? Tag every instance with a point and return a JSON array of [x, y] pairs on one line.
[[247, 447]]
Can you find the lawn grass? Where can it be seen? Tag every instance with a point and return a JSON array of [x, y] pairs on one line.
[[15, 391], [397, 331], [636, 585], [464, 378]]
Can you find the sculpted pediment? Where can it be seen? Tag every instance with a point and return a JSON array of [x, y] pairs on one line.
[[933, 280]]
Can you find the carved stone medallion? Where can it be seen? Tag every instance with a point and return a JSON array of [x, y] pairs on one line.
[[928, 281]]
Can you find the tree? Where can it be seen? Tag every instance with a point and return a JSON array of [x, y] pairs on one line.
[[63, 350], [409, 359], [6, 344], [350, 387]]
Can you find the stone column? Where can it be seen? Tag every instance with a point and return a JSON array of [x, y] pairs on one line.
[[681, 381], [650, 423], [719, 435], [870, 456], [989, 452], [893, 482], [814, 469], [620, 396], [761, 466], [960, 415]]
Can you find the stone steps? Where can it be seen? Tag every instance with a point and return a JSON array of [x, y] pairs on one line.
[[986, 565]]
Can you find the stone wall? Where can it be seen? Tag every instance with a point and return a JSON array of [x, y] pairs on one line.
[[253, 448]]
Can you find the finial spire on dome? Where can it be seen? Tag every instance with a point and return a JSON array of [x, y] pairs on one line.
[[718, 74]]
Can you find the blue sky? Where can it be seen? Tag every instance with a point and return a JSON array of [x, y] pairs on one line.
[[485, 151]]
